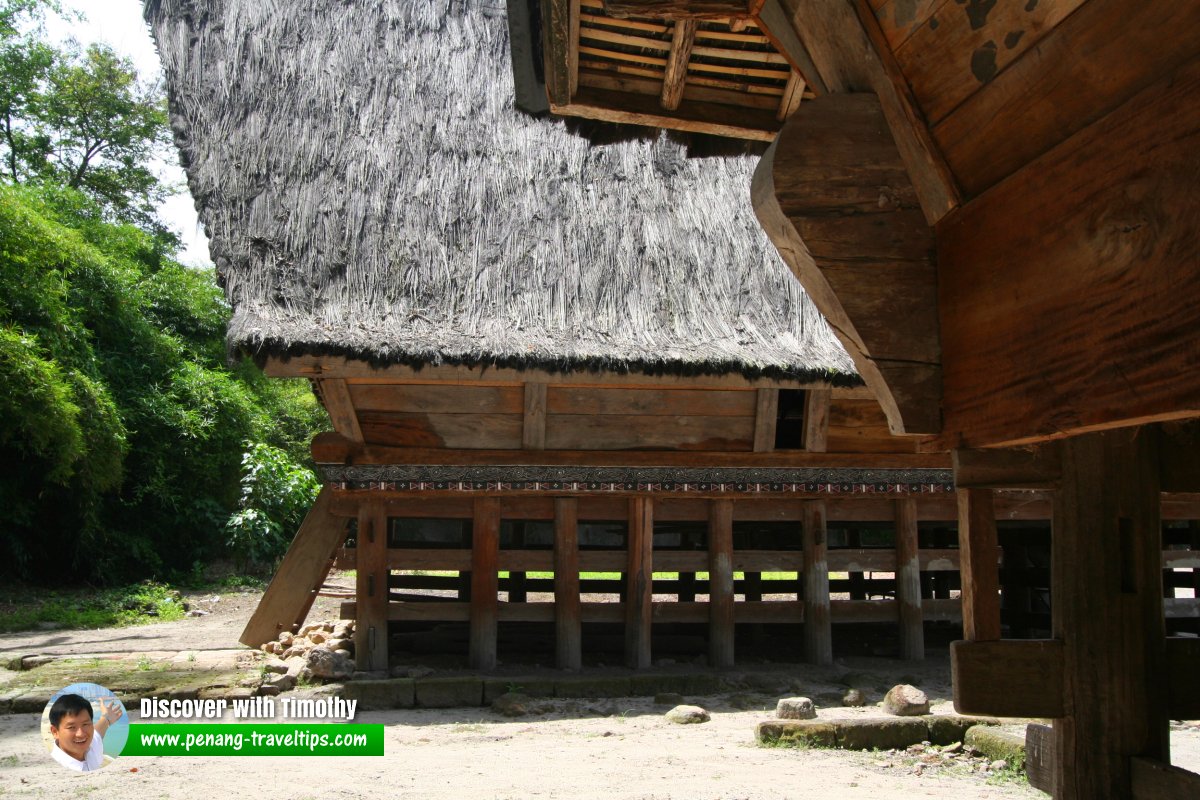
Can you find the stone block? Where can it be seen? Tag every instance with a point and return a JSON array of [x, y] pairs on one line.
[[594, 686], [951, 728], [528, 685], [807, 733], [645, 684], [997, 744], [382, 694], [456, 692], [880, 734]]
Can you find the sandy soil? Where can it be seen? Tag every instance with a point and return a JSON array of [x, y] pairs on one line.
[[577, 748]]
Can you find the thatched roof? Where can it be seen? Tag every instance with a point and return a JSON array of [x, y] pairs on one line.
[[369, 191]]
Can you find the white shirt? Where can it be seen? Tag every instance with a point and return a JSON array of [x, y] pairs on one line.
[[94, 759]]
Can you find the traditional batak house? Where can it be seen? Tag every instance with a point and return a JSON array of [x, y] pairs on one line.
[[994, 204], [560, 370]]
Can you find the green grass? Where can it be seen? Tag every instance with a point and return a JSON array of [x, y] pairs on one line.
[[26, 608]]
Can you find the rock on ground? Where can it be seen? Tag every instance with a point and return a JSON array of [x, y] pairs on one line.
[[854, 698], [687, 715], [511, 704], [905, 700], [795, 708], [325, 663]]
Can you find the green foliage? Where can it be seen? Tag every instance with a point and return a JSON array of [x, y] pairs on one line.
[[79, 118], [122, 430], [139, 603], [276, 494]]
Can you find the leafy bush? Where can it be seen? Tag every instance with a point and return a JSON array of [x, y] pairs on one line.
[[276, 494]]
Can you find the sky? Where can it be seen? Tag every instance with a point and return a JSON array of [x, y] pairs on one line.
[[119, 24]]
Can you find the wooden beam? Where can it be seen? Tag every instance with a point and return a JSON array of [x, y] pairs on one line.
[[332, 448], [679, 9], [568, 640], [835, 199], [793, 94], [675, 75], [485, 551], [908, 581], [818, 633], [638, 583], [1039, 757], [1034, 467], [817, 404], [556, 48], [1108, 274], [850, 55], [1106, 580], [1180, 457], [1183, 666], [371, 593], [573, 45], [303, 569], [1154, 780], [337, 402], [355, 371], [775, 23], [1010, 678], [697, 116], [533, 426], [720, 584], [766, 414], [977, 545]]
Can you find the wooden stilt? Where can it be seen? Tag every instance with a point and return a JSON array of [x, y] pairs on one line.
[[485, 555], [818, 633], [639, 583], [720, 583], [568, 640], [1107, 610], [908, 581], [371, 628], [304, 568], [978, 565]]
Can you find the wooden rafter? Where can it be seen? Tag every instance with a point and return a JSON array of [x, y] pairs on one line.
[[675, 75]]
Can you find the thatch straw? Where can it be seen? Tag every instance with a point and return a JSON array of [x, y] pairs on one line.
[[369, 191]]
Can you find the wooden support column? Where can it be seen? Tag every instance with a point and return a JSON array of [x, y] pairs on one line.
[[639, 575], [766, 414], [304, 568], [568, 639], [978, 566], [338, 403], [720, 583], [1107, 610], [818, 632], [371, 626], [533, 429], [485, 557], [908, 581]]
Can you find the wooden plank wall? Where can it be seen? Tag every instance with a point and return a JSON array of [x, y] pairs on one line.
[[537, 416]]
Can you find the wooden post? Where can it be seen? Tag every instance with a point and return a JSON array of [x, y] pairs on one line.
[[720, 583], [816, 419], [766, 413], [1107, 609], [485, 556], [818, 633], [533, 426], [517, 592], [908, 581], [371, 627], [855, 580], [568, 640], [639, 593], [978, 567]]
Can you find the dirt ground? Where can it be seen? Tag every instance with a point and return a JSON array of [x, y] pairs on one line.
[[620, 748]]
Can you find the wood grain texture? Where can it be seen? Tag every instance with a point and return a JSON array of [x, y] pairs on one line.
[[443, 399], [465, 431], [691, 115], [1154, 780], [1108, 612], [639, 573], [836, 200], [775, 22], [679, 9], [648, 401], [817, 406], [485, 550], [341, 409], [568, 641], [977, 545], [908, 582], [675, 75], [818, 633], [1052, 91], [720, 584], [1035, 467], [371, 588], [1011, 678], [860, 426], [300, 573], [556, 50], [765, 416], [970, 45], [533, 423], [651, 432], [899, 19], [1084, 320]]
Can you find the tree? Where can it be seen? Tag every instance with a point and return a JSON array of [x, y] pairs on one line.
[[81, 118]]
